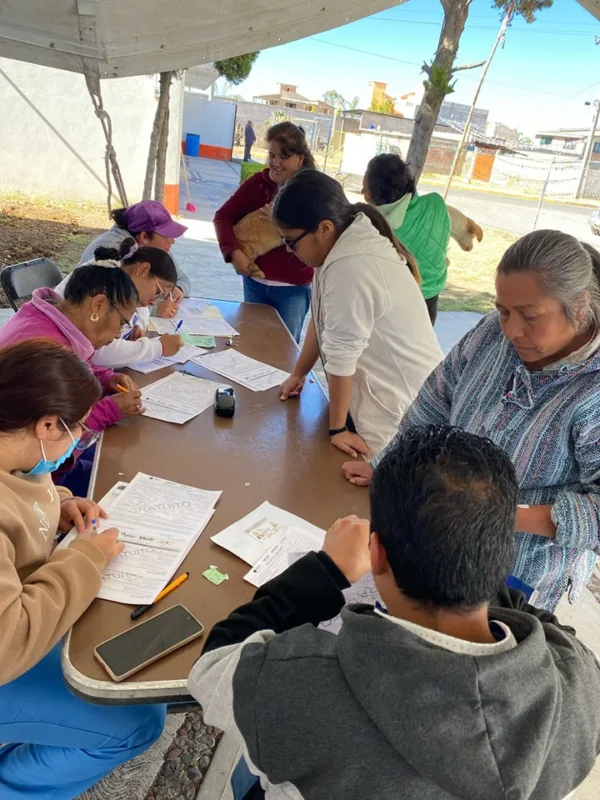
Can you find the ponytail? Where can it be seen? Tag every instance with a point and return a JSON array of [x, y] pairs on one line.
[[383, 227]]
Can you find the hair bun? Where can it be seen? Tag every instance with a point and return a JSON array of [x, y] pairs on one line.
[[106, 254]]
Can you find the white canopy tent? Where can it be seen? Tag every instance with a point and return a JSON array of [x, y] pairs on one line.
[[120, 38]]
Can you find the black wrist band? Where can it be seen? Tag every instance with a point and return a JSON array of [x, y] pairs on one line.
[[335, 431]]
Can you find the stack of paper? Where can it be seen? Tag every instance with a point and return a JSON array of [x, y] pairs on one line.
[[199, 319], [187, 353], [248, 372], [266, 527], [159, 521], [178, 398]]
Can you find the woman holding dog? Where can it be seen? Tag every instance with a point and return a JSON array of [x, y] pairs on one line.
[[419, 222], [286, 282]]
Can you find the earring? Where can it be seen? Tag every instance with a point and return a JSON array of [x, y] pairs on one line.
[[94, 317]]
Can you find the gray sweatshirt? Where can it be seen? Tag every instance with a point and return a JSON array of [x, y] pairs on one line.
[[381, 713]]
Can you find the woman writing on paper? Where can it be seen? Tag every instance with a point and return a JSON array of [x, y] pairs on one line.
[[98, 302], [151, 225], [527, 377], [53, 744], [154, 275], [369, 320]]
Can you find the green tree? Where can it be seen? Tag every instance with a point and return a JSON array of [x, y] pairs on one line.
[[387, 106], [441, 72], [235, 70]]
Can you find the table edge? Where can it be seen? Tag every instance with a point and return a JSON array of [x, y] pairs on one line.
[[131, 692]]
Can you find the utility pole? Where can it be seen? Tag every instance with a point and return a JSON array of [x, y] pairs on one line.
[[589, 149], [499, 38]]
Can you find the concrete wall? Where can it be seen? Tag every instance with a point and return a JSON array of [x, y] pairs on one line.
[[52, 142], [213, 122]]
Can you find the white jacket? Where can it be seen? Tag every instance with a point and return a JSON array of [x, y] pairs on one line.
[[372, 322], [121, 352]]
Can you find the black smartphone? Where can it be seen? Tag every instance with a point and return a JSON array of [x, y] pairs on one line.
[[132, 650]]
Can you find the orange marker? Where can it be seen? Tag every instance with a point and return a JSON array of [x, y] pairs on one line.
[[137, 612]]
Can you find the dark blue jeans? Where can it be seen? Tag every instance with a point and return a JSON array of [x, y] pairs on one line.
[[291, 302], [77, 479]]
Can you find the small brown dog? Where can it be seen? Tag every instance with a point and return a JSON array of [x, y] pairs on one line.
[[257, 235], [463, 229]]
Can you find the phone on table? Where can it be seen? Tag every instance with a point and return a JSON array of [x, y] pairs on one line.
[[132, 650]]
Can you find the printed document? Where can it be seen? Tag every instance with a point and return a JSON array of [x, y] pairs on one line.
[[187, 353], [291, 543], [253, 536], [246, 371], [159, 521], [178, 398]]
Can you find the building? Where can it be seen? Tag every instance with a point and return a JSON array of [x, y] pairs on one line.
[[382, 101], [496, 130], [568, 140], [288, 97]]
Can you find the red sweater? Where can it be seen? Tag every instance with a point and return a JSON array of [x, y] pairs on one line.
[[254, 193]]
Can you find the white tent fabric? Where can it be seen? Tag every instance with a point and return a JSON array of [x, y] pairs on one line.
[[121, 38]]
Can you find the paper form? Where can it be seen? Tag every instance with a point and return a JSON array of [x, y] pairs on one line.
[[193, 313], [292, 542], [206, 326], [178, 398], [253, 536], [105, 504], [159, 521], [364, 591], [248, 372], [187, 353]]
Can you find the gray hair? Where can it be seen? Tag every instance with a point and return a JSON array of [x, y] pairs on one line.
[[568, 270]]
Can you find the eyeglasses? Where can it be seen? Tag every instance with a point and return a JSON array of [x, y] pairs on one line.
[[87, 439], [291, 243], [162, 294], [125, 323]]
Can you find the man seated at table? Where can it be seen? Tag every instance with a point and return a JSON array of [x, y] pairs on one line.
[[439, 697]]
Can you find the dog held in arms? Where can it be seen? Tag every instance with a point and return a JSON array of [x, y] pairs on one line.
[[257, 235]]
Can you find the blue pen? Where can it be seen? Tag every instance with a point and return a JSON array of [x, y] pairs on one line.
[[95, 526], [179, 324]]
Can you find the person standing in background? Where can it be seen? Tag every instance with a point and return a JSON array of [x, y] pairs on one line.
[[249, 139], [419, 222], [286, 285]]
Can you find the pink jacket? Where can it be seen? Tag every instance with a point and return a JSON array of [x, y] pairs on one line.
[[41, 319]]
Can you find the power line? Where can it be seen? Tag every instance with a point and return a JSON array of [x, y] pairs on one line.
[[414, 64], [482, 16], [483, 27]]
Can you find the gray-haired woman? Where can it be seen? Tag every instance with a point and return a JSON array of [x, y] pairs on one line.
[[528, 378]]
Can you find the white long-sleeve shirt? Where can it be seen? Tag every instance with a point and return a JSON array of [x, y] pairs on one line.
[[121, 352], [372, 323]]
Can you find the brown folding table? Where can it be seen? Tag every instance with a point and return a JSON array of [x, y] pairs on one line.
[[269, 450]]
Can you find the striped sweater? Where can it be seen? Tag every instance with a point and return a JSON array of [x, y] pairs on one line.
[[549, 424]]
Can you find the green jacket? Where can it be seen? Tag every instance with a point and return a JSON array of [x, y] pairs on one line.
[[422, 224]]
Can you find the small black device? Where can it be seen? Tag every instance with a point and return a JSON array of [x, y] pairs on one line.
[[225, 402], [132, 650]]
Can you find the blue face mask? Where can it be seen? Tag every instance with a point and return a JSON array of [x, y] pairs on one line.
[[44, 466]]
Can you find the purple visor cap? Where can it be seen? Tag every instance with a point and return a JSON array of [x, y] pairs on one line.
[[150, 215]]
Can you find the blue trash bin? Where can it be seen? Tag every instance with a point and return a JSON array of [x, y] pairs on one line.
[[192, 145]]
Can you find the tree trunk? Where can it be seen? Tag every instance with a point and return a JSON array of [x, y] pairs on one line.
[[455, 18], [161, 110], [161, 160]]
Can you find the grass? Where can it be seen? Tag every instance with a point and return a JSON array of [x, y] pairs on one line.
[[250, 168], [471, 275]]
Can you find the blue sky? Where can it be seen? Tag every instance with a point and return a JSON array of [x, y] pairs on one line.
[[540, 79]]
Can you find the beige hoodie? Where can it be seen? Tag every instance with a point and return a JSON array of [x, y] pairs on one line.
[[372, 322], [41, 593]]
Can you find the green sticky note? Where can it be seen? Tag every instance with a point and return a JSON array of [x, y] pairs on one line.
[[199, 341], [214, 576]]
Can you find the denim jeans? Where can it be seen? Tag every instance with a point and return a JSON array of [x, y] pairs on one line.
[[291, 302], [55, 745]]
